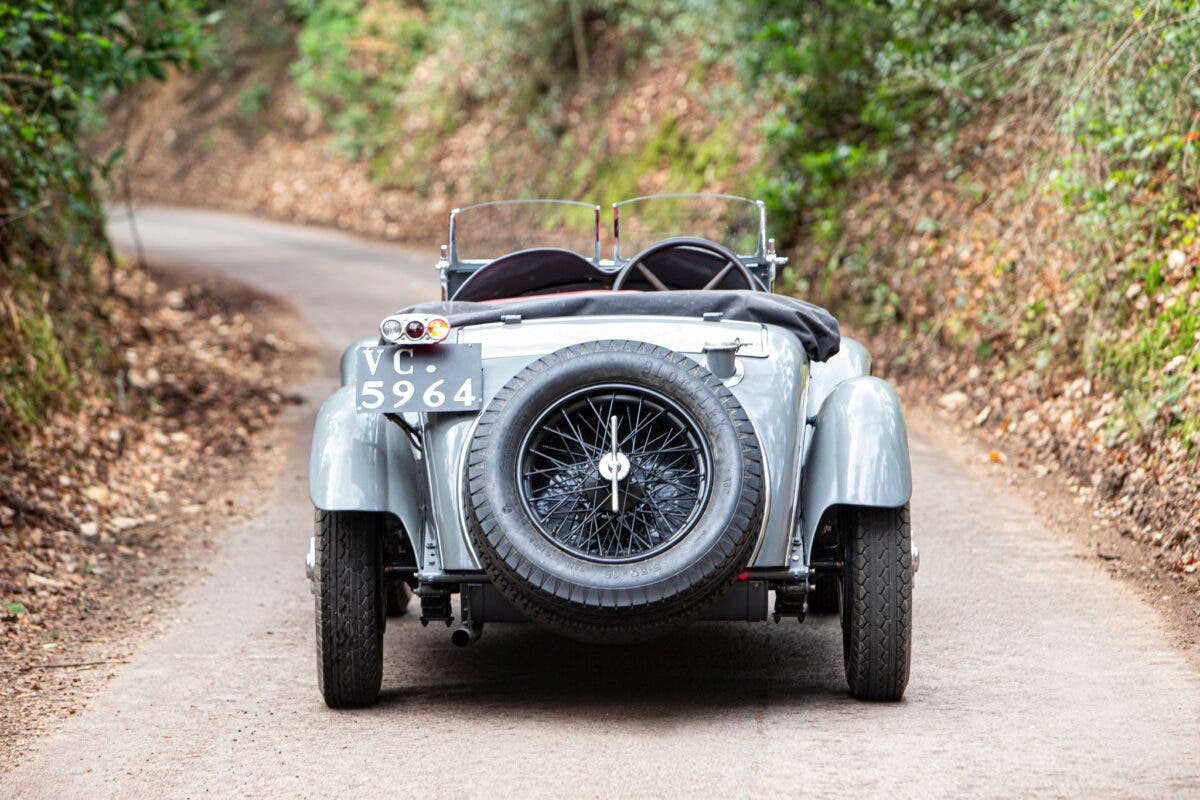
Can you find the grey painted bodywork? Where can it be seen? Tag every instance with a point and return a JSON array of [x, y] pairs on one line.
[[859, 452], [829, 434], [363, 462]]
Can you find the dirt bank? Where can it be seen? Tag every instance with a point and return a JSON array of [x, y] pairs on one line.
[[106, 511]]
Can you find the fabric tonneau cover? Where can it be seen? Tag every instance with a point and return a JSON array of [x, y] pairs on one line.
[[815, 327]]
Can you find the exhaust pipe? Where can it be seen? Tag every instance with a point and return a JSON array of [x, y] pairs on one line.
[[464, 635]]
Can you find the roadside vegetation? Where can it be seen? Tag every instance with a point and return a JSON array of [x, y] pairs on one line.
[[56, 63], [1004, 193], [122, 400], [999, 194], [395, 81], [1083, 116]]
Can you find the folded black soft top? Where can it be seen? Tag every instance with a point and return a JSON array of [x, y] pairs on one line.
[[815, 327]]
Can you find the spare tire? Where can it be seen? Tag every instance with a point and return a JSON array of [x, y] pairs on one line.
[[543, 462]]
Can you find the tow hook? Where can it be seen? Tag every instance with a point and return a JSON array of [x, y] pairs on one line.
[[310, 563]]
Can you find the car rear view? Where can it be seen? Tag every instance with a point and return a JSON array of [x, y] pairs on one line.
[[611, 449]]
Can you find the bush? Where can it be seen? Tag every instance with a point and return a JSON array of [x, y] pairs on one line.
[[56, 61], [1108, 96], [380, 71]]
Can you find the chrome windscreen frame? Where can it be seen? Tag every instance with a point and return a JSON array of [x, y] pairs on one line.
[[763, 243], [452, 256], [764, 262]]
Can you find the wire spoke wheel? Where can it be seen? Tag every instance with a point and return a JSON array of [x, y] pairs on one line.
[[613, 490], [614, 473]]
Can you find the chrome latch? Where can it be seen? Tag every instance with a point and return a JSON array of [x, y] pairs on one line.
[[721, 357]]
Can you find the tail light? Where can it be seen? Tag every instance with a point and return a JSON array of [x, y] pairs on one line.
[[414, 329], [437, 329]]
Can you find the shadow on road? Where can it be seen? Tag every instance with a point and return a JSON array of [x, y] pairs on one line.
[[710, 667]]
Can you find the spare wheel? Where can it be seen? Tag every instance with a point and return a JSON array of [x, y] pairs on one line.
[[614, 490]]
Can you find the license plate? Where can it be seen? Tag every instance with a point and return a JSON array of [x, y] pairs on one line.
[[433, 378]]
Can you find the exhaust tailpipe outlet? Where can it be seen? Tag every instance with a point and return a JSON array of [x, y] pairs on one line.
[[464, 635]]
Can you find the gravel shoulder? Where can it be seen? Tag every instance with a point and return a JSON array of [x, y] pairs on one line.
[[95, 590], [1071, 511]]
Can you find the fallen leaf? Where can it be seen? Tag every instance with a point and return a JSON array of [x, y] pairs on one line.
[[953, 401], [98, 494], [41, 580]]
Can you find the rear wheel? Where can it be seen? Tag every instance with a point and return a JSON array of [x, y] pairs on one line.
[[876, 601], [350, 605]]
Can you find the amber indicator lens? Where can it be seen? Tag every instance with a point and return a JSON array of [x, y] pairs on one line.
[[438, 329]]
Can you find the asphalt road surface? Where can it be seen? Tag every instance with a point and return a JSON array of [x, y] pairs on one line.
[[1034, 674]]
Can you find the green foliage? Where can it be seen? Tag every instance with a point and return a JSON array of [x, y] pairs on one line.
[[57, 60], [860, 87], [252, 100], [355, 61], [856, 81], [394, 78]]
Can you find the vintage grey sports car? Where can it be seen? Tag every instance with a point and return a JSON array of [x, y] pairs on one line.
[[610, 447]]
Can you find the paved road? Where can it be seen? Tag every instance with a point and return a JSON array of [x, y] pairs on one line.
[[1033, 672]]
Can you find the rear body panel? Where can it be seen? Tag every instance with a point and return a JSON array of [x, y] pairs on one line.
[[774, 373], [829, 435]]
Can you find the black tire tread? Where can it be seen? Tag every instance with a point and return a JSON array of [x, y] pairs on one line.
[[877, 630], [349, 600]]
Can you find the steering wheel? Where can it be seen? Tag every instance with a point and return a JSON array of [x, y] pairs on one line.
[[732, 264]]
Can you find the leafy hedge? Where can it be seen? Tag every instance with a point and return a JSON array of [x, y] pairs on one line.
[[865, 90], [394, 79], [57, 59]]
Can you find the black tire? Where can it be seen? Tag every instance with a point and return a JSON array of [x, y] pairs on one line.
[[876, 601], [350, 607], [823, 597], [640, 597], [398, 595]]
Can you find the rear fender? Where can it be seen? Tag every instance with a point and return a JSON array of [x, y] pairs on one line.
[[350, 358], [850, 361], [363, 462], [859, 454]]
